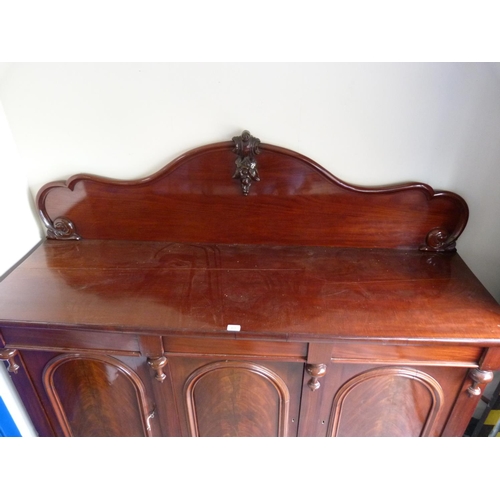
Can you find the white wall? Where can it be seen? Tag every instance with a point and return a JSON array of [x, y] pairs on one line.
[[19, 234], [369, 123]]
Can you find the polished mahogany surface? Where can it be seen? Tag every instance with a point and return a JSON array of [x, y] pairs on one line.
[[95, 397], [243, 290], [237, 398], [195, 199], [272, 292], [365, 400]]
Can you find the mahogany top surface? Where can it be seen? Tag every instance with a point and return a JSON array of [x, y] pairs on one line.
[[272, 292], [266, 239]]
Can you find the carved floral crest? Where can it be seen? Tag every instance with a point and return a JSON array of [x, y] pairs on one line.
[[246, 147]]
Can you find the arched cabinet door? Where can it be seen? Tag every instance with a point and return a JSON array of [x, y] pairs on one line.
[[97, 395], [237, 398], [389, 401], [363, 400]]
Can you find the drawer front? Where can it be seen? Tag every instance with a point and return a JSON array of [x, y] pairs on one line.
[[439, 355], [292, 351], [70, 340]]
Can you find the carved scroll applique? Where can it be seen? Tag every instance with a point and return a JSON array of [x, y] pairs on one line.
[[62, 229], [437, 240]]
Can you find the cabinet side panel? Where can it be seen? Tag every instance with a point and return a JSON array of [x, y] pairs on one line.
[[26, 386]]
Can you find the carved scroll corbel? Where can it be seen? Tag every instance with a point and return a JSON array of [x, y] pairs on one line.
[[61, 228], [246, 147], [316, 372], [8, 355], [157, 364], [479, 377], [438, 240]]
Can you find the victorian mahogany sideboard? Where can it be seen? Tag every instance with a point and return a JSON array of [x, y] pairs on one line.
[[243, 290]]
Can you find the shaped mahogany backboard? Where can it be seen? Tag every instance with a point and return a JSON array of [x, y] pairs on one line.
[[244, 192]]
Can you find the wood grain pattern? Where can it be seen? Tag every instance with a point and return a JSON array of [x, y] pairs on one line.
[[180, 346], [27, 382], [48, 337], [373, 400], [275, 293], [237, 399], [194, 199], [394, 354], [96, 396], [401, 402], [220, 397], [355, 292]]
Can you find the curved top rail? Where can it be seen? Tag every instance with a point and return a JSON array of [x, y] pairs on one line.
[[245, 192]]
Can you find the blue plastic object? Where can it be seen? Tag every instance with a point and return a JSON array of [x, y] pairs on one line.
[[7, 426]]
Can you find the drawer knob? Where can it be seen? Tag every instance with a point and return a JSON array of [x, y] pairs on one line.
[[479, 377], [316, 372], [157, 365], [8, 355]]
